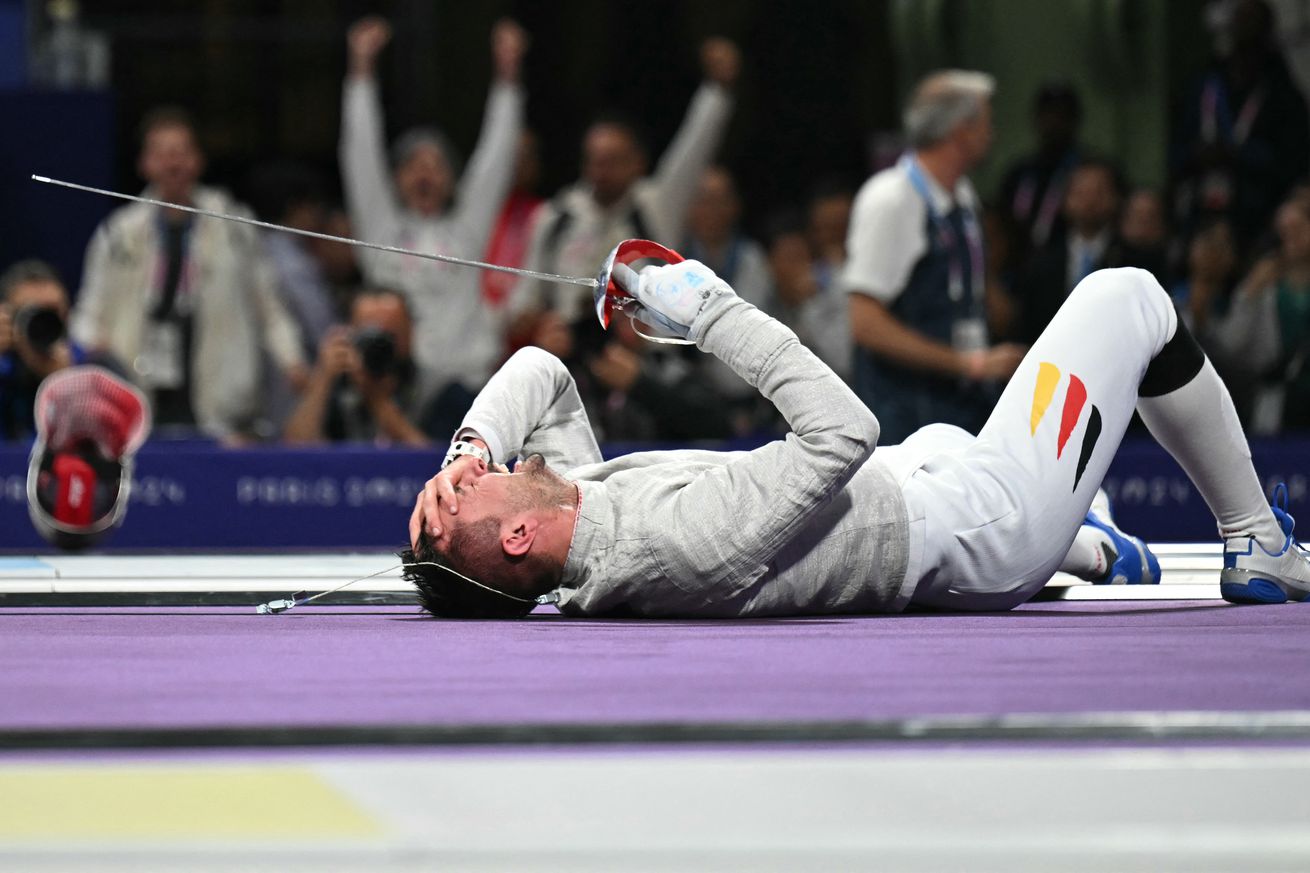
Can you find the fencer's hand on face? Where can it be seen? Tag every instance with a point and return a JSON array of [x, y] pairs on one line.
[[438, 500], [509, 43], [721, 61], [365, 40], [671, 296]]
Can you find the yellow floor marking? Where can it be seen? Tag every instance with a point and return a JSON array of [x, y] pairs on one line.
[[167, 802]]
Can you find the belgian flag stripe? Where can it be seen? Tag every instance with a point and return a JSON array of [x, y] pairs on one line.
[[1074, 398], [1048, 377], [1090, 437]]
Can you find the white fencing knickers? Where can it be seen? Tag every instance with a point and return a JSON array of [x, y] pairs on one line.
[[992, 517]]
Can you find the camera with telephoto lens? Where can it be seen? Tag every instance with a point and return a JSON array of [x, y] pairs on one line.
[[377, 349], [40, 326]]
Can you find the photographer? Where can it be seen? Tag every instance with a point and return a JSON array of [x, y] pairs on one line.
[[363, 386], [33, 341]]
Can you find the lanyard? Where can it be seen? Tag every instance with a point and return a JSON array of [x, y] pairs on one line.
[[946, 235], [1216, 111], [175, 301]]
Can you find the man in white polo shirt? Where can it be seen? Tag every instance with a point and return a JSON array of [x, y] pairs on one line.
[[915, 269]]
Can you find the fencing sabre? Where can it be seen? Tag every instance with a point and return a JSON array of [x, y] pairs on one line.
[[609, 294]]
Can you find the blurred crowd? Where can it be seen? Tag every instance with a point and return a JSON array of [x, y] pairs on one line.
[[920, 290]]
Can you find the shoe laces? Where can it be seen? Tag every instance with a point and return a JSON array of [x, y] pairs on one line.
[[1285, 519]]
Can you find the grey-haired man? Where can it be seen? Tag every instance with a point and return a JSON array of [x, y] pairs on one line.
[[915, 268]]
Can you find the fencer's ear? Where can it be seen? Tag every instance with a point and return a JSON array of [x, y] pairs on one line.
[[517, 535]]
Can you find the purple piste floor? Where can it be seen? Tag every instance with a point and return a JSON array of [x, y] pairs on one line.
[[67, 668]]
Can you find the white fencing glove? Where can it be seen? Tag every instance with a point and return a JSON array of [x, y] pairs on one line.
[[671, 296]]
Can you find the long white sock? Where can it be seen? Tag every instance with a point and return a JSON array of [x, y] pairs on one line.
[[1198, 425], [1087, 558]]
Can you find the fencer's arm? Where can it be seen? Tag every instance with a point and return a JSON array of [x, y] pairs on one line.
[[532, 405], [373, 209], [734, 518]]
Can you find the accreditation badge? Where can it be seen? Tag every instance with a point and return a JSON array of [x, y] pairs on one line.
[[160, 364]]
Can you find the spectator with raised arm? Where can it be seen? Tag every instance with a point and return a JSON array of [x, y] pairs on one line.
[[615, 199], [418, 200]]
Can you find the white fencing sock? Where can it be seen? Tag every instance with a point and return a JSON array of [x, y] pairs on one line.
[[1198, 425]]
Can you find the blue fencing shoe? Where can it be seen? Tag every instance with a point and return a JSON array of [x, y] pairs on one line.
[[1130, 561], [1253, 574]]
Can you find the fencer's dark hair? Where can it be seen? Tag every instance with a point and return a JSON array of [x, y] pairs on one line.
[[22, 272], [445, 592], [166, 116]]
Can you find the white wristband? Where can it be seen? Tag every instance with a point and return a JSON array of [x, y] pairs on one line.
[[461, 447]]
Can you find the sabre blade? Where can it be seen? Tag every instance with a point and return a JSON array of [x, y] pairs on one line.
[[446, 259]]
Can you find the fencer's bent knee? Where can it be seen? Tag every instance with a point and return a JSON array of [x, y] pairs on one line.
[[1136, 297]]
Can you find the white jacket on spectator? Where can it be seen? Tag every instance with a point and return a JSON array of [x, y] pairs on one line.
[[572, 234], [233, 292], [456, 337]]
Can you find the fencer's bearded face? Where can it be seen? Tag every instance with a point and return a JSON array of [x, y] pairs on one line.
[[490, 493]]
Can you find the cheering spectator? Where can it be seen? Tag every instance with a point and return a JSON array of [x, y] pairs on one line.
[[461, 338], [615, 200], [183, 301]]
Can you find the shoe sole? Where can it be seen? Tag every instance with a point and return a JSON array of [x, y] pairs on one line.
[[1242, 586]]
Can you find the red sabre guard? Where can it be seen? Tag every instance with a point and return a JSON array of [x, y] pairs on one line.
[[608, 293]]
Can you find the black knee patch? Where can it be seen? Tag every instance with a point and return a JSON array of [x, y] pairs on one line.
[[1176, 365]]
